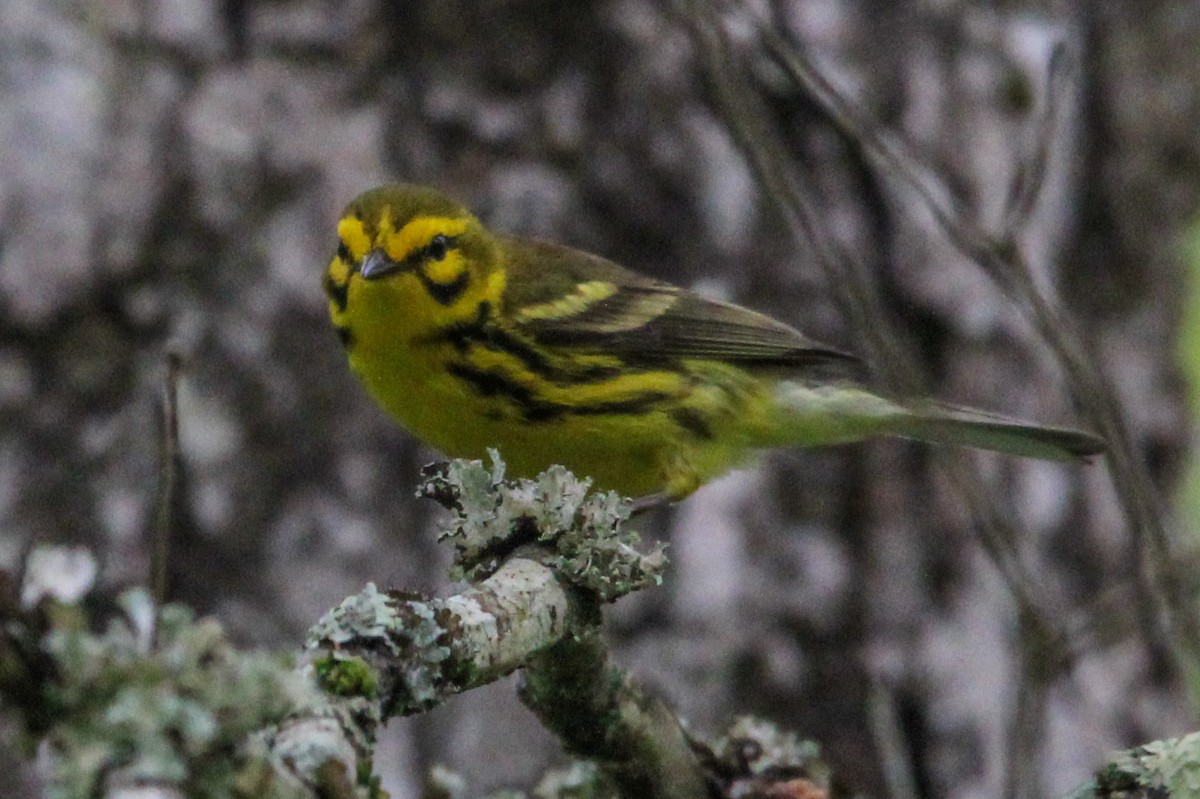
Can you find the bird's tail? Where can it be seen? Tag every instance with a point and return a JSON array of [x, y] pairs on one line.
[[829, 414], [950, 424]]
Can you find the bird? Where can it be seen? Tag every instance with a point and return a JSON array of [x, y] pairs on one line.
[[475, 340]]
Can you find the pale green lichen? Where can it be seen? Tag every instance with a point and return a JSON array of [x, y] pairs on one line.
[[368, 615], [492, 516], [407, 628], [321, 743], [1171, 765], [161, 699], [595, 552]]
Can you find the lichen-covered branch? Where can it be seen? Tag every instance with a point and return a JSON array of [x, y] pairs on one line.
[[158, 704], [1167, 769], [163, 704], [542, 554], [598, 712], [410, 652]]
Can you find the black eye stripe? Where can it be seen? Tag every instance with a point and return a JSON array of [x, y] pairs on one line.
[[436, 250]]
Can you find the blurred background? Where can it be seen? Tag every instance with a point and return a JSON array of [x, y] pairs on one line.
[[171, 172]]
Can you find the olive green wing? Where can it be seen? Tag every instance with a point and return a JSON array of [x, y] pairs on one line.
[[566, 298]]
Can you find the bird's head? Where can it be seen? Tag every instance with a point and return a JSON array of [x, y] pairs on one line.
[[413, 253]]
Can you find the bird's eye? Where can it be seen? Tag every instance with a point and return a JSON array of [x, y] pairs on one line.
[[438, 246]]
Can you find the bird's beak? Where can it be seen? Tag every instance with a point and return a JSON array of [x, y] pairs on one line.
[[377, 264]]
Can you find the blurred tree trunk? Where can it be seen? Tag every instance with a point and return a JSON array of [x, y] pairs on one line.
[[173, 172]]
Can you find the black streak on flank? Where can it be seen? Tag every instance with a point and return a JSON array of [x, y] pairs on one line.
[[485, 333], [492, 337], [497, 384], [692, 421], [634, 406], [345, 335], [494, 383], [338, 292]]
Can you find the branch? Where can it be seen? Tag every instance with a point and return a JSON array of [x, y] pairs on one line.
[[162, 705], [1167, 769], [167, 500], [601, 714]]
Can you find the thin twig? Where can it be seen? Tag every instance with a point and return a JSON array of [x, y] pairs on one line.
[[1030, 177], [1026, 731], [892, 155], [741, 109], [168, 481], [1003, 261], [890, 742]]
